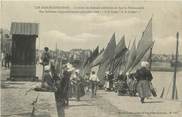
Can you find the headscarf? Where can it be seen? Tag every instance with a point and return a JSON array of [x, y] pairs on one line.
[[144, 64], [47, 68]]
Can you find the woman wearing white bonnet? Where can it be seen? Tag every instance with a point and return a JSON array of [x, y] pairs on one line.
[[144, 77], [145, 64], [47, 68]]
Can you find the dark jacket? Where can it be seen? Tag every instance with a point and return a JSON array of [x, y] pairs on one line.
[[45, 58], [143, 74], [65, 81], [62, 90]]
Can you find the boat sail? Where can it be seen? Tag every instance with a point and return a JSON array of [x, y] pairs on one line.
[[118, 59], [131, 57], [106, 57], [120, 48], [86, 66], [98, 59], [144, 44]]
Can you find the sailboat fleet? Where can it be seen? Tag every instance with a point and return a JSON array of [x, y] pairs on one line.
[[117, 58], [120, 59]]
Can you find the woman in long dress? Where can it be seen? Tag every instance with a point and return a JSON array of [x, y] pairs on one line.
[[132, 83], [144, 77]]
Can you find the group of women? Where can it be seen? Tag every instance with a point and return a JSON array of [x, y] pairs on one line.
[[133, 83]]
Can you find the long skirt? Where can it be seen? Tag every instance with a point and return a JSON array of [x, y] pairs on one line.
[[107, 84], [122, 88], [143, 89], [132, 84]]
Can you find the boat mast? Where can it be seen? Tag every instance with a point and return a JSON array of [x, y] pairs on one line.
[[150, 56], [175, 67]]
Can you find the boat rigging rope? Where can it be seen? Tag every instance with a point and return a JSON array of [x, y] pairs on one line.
[[168, 88]]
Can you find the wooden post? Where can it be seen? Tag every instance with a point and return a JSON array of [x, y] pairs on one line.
[[175, 67], [56, 52], [176, 94], [162, 93], [1, 40], [150, 58]]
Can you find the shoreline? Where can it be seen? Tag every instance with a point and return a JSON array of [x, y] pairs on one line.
[[165, 69]]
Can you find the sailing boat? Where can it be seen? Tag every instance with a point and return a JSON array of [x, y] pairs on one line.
[[144, 45], [87, 64], [117, 62], [103, 60], [131, 57]]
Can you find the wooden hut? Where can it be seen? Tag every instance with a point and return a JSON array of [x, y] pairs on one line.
[[23, 50]]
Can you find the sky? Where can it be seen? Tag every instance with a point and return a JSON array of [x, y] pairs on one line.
[[86, 31]]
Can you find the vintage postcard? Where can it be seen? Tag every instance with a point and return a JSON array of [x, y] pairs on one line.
[[102, 58]]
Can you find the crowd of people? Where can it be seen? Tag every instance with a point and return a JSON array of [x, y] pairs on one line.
[[68, 82], [138, 83]]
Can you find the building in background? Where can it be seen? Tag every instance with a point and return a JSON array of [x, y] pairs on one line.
[[23, 50]]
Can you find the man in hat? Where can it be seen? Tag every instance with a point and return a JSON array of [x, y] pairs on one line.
[[45, 60], [94, 80], [45, 56]]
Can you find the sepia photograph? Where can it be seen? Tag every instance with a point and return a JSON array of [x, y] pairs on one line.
[[89, 58]]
